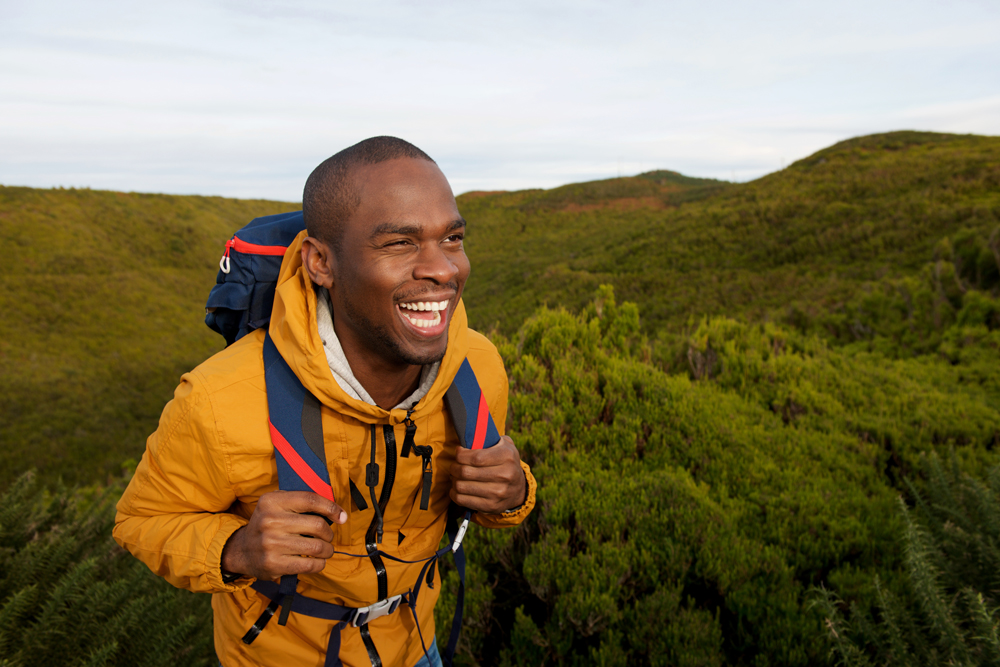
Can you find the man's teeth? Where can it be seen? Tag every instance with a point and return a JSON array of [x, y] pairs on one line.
[[425, 305], [424, 323]]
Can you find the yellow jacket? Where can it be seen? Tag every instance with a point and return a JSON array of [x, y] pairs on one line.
[[211, 459]]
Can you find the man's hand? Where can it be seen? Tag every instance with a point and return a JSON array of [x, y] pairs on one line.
[[488, 480], [282, 538]]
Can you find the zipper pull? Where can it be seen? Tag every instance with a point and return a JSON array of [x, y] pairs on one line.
[[411, 431], [224, 262], [425, 453]]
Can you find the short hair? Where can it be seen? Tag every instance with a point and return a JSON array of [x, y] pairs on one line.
[[331, 196]]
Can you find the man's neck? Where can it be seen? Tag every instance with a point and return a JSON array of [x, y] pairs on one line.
[[353, 368], [387, 385]]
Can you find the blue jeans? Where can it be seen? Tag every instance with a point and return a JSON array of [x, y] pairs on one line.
[[432, 653]]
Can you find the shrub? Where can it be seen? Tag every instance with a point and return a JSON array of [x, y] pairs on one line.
[[70, 596]]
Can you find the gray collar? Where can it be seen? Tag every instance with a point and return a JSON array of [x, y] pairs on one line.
[[340, 367]]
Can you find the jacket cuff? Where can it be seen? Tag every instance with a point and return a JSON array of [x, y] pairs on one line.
[[518, 514], [213, 561]]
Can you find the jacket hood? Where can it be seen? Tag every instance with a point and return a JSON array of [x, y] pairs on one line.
[[295, 333]]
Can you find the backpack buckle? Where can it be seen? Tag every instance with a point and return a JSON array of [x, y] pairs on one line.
[[381, 608]]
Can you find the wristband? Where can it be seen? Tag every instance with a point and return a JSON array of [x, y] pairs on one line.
[[229, 577], [515, 510]]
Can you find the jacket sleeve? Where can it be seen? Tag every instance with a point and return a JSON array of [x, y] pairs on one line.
[[175, 514], [496, 393]]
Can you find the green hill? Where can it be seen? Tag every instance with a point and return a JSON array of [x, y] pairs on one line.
[[803, 239], [103, 291], [789, 353], [103, 299]]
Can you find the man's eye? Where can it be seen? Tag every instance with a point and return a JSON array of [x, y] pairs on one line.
[[456, 238]]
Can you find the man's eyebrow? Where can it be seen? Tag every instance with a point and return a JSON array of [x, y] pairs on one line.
[[403, 229], [394, 228]]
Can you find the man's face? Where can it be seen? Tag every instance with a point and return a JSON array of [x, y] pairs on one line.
[[401, 265]]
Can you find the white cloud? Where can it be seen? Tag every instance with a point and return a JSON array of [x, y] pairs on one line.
[[243, 98]]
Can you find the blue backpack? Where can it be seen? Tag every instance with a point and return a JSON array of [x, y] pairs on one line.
[[241, 302]]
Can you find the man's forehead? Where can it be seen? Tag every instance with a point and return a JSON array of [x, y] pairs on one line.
[[404, 191], [399, 173]]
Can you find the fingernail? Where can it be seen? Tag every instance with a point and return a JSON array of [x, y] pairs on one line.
[[343, 517]]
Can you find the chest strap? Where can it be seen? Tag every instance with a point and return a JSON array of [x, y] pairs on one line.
[[359, 617]]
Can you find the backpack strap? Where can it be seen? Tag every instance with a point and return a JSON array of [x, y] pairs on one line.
[[473, 422], [296, 428], [469, 412]]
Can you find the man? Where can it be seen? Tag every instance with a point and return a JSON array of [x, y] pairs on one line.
[[368, 316]]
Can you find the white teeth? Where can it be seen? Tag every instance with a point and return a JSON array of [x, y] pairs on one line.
[[435, 307], [425, 324], [426, 305]]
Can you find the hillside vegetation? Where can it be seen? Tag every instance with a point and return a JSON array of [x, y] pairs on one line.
[[723, 389], [103, 296], [803, 240], [684, 518], [62, 580]]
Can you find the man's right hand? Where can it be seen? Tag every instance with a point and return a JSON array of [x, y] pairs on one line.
[[282, 538]]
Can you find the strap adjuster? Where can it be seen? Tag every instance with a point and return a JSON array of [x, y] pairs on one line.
[[381, 608]]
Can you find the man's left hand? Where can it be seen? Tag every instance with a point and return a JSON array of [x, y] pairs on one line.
[[488, 480]]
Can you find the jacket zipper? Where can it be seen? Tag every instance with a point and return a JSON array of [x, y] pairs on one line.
[[424, 452]]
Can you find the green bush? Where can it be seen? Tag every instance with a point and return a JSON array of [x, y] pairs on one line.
[[70, 596], [682, 518], [909, 315]]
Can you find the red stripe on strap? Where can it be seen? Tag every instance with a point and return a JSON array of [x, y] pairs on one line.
[[484, 413], [254, 249], [300, 467]]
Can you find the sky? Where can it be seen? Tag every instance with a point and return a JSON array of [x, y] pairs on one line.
[[244, 98]]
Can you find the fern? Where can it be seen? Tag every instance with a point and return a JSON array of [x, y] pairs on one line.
[[63, 582], [947, 612], [893, 633]]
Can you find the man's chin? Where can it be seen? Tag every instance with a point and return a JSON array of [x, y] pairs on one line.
[[423, 357]]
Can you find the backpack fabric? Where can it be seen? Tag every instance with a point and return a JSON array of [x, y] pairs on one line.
[[242, 298]]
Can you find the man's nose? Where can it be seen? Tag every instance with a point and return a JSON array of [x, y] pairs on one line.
[[434, 263]]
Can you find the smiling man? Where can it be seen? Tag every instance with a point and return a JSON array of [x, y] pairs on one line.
[[368, 317]]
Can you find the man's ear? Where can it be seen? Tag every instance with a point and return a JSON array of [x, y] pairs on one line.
[[319, 260]]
